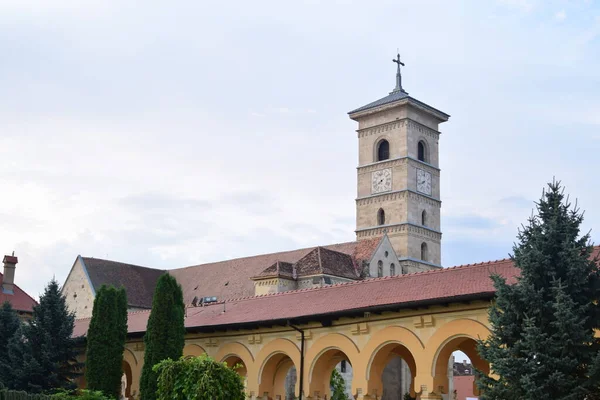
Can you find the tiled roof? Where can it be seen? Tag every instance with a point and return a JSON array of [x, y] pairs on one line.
[[396, 96], [232, 278], [422, 288], [279, 269], [138, 281], [325, 261], [19, 300]]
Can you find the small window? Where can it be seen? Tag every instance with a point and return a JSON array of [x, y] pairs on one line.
[[422, 151], [392, 269], [424, 251], [381, 217], [386, 254], [383, 150], [424, 218], [343, 367], [379, 269]]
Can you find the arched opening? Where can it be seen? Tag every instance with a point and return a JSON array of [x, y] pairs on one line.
[[454, 369], [322, 370], [278, 378], [193, 350], [424, 218], [422, 151], [126, 381], [391, 372], [381, 217], [383, 150], [379, 269], [424, 251], [238, 364], [392, 269]]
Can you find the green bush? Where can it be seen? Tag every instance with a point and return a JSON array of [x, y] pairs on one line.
[[79, 395], [20, 395], [197, 378]]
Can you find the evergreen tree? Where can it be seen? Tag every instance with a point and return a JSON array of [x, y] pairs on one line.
[[165, 332], [43, 353], [106, 341], [542, 344], [9, 324]]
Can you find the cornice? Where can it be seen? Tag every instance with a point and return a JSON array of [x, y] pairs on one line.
[[398, 123], [398, 194], [392, 162], [403, 227]]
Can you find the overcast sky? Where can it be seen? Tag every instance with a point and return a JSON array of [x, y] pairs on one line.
[[169, 134]]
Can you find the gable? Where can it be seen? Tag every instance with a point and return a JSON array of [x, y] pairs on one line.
[[78, 291], [386, 254]]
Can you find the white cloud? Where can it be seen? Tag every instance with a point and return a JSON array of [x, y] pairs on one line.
[[560, 15]]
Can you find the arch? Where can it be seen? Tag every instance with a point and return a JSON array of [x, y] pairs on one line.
[[392, 269], [235, 349], [193, 350], [389, 342], [424, 251], [274, 361], [379, 269], [462, 335], [380, 217], [383, 150], [323, 356], [423, 151], [133, 371], [424, 218], [126, 380], [129, 356]]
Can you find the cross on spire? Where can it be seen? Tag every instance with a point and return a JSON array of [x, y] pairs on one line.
[[398, 75]]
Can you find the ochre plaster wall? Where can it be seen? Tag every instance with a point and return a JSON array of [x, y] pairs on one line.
[[425, 339]]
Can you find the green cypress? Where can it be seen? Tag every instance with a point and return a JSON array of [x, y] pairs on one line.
[[165, 332], [542, 344], [9, 324], [106, 341]]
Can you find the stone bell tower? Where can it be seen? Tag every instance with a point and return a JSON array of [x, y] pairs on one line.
[[399, 176]]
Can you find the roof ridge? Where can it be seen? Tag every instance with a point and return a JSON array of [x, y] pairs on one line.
[[124, 263], [368, 280], [311, 248]]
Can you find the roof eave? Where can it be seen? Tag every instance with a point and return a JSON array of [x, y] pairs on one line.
[[440, 115]]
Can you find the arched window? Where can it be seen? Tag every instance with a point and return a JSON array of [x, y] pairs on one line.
[[383, 150], [392, 269], [381, 217], [424, 218], [422, 151], [379, 269], [424, 251]]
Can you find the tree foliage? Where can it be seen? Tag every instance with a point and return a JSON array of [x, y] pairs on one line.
[[542, 344], [106, 341], [338, 386], [42, 353], [165, 332], [198, 378], [9, 324]]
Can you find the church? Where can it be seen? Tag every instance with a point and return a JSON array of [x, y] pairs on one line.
[[380, 309]]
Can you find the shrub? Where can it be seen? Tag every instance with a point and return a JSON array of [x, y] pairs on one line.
[[79, 395], [198, 378], [19, 395]]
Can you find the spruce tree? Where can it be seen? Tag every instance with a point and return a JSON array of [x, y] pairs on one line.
[[165, 332], [106, 341], [542, 344], [43, 352], [9, 324]]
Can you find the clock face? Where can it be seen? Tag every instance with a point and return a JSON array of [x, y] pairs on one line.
[[423, 181], [381, 181]]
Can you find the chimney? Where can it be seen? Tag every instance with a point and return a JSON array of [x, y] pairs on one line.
[[8, 282]]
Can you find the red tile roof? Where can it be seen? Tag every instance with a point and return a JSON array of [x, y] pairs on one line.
[[19, 300], [423, 288]]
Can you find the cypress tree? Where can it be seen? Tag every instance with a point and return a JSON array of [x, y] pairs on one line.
[[9, 324], [42, 352], [542, 344], [165, 332], [106, 341]]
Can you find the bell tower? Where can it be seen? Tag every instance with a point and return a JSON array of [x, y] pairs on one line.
[[399, 176]]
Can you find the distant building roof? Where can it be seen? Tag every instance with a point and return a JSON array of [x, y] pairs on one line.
[[138, 281], [19, 300], [467, 282]]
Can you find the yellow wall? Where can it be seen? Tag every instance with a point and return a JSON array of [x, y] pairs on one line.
[[424, 338]]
